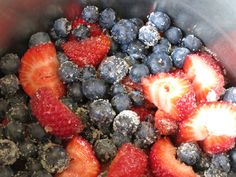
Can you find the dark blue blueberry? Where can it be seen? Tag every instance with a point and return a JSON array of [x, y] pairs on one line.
[[6, 171], [9, 85], [58, 43], [54, 158], [160, 20], [114, 48], [28, 149], [74, 90], [159, 62], [138, 22], [53, 34], [88, 72], [39, 38], [138, 71], [41, 173], [81, 32], [124, 47], [124, 31], [174, 35], [101, 113], [15, 131], [137, 98], [221, 162], [232, 156], [69, 72], [192, 43], [62, 57], [90, 14], [178, 56], [9, 63], [9, 152], [3, 108], [62, 27], [230, 95], [121, 102], [126, 123], [33, 165], [163, 46], [119, 139], [18, 112], [149, 35], [113, 69], [117, 88], [137, 50], [107, 18], [94, 88], [36, 132], [69, 102]]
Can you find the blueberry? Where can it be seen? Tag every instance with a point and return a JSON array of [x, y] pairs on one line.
[[81, 32], [137, 98], [149, 35], [18, 112], [58, 43], [124, 31], [62, 27], [54, 158], [232, 156], [69, 72], [189, 153], [214, 172], [22, 174], [107, 18], [9, 84], [101, 113], [178, 56], [15, 131], [121, 102], [145, 135], [69, 102], [163, 46], [94, 88], [62, 58], [9, 152], [203, 163], [36, 132], [174, 35], [114, 47], [39, 38], [53, 34], [119, 139], [117, 88], [230, 95], [221, 162], [41, 173], [138, 71], [9, 63], [90, 14], [192, 43], [6, 171], [159, 62], [74, 90], [113, 69], [3, 108], [33, 165], [88, 72], [28, 149], [138, 22], [137, 50], [160, 20], [126, 122]]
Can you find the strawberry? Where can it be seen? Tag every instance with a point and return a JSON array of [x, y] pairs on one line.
[[164, 124], [83, 161], [142, 112], [39, 68], [164, 163], [206, 76], [129, 161], [53, 115], [72, 9], [214, 123], [130, 85], [90, 51], [171, 93]]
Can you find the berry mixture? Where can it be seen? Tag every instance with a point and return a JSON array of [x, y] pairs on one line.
[[101, 96]]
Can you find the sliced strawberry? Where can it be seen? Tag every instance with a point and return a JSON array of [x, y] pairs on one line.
[[164, 124], [171, 93], [206, 76], [164, 163], [129, 161], [90, 51], [39, 68], [83, 161], [143, 112], [53, 115]]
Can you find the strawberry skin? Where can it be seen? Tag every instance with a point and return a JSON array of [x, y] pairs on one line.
[[53, 115], [164, 163], [171, 93], [206, 76], [39, 68], [129, 161], [90, 51], [142, 112], [83, 161]]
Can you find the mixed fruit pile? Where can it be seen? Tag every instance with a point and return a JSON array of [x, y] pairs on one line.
[[109, 97]]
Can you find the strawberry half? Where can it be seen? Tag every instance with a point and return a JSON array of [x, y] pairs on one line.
[[53, 115], [164, 163], [171, 93], [206, 76], [214, 123], [39, 68], [90, 51], [129, 161], [83, 161]]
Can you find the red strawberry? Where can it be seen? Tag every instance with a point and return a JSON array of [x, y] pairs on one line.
[[142, 112], [90, 51], [164, 124], [39, 68], [130, 85], [171, 93], [53, 115], [129, 161], [214, 123], [206, 76], [83, 161], [164, 163]]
